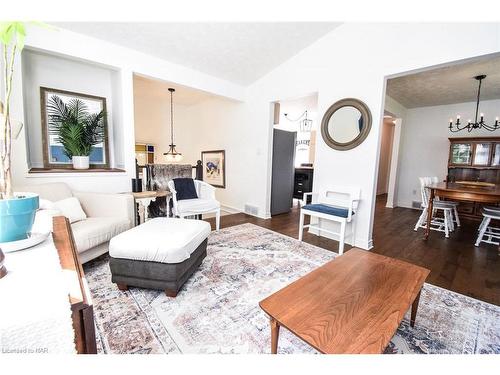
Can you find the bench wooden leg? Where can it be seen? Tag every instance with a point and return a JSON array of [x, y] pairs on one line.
[[275, 331], [122, 286], [170, 293]]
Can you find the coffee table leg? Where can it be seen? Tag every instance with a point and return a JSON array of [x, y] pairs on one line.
[[414, 308], [275, 330]]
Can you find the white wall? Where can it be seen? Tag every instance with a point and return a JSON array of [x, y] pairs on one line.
[[123, 62], [425, 146], [218, 127], [398, 111], [294, 108], [152, 123], [351, 62], [385, 157], [208, 124], [41, 70]]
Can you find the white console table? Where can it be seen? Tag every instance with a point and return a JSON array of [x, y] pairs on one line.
[[35, 313], [144, 198]]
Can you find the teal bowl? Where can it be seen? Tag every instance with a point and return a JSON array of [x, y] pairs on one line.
[[17, 216]]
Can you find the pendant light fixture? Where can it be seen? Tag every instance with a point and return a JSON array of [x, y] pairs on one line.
[[305, 124], [172, 155], [458, 126]]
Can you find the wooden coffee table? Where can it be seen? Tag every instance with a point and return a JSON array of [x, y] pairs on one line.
[[353, 304]]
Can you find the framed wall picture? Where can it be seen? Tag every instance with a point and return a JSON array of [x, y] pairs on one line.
[[54, 155], [214, 167]]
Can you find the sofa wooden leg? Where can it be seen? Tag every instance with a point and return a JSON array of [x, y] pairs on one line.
[[122, 286], [170, 293]]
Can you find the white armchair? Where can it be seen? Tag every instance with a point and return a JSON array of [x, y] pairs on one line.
[[204, 204]]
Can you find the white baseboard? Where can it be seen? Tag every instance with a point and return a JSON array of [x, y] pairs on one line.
[[230, 210], [362, 244]]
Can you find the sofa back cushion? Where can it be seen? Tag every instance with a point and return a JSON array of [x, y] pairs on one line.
[[185, 188], [71, 208], [55, 191]]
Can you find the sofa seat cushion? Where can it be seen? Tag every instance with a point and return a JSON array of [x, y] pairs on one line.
[[164, 240], [94, 231], [198, 205]]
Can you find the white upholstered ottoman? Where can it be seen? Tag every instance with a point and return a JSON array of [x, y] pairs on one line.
[[162, 253]]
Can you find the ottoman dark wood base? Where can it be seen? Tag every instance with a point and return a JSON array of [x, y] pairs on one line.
[[155, 275]]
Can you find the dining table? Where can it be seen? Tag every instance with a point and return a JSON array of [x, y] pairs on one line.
[[469, 191]]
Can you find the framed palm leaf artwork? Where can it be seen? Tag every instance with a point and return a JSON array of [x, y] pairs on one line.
[[214, 167], [73, 124]]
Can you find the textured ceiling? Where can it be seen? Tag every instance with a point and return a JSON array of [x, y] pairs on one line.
[[447, 85], [237, 52]]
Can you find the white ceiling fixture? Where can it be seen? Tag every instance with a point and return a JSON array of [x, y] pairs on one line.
[[237, 52], [447, 85]]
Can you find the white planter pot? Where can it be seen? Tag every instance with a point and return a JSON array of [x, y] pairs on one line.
[[80, 162]]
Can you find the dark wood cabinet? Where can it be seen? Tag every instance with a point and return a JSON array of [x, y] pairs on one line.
[[303, 182], [474, 159]]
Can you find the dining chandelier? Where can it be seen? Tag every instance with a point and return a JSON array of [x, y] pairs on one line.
[[458, 126], [172, 155]]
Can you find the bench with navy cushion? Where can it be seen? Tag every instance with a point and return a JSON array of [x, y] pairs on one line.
[[326, 209]]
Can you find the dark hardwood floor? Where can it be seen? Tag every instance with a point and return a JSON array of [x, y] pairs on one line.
[[455, 263]]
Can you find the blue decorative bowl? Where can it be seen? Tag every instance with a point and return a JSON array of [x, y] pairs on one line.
[[17, 216]]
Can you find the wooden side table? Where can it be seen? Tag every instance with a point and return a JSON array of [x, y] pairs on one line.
[[144, 198]]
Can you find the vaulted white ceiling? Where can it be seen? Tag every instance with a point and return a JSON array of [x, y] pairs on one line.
[[237, 52], [447, 85]]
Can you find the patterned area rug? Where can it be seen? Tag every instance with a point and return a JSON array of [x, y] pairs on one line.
[[217, 309]]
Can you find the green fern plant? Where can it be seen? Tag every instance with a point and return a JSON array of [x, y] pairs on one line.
[[76, 129]]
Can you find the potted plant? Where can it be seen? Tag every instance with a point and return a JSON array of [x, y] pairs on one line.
[[77, 129], [17, 210]]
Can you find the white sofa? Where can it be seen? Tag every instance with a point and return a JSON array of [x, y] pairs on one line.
[[107, 216]]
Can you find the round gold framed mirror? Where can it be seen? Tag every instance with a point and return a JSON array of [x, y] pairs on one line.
[[346, 124]]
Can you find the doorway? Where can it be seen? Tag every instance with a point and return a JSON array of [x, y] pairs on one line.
[[293, 150]]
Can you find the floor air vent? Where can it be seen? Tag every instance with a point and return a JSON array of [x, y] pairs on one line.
[[416, 204], [252, 210]]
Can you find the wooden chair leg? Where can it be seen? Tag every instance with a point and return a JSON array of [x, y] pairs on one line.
[[122, 286]]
